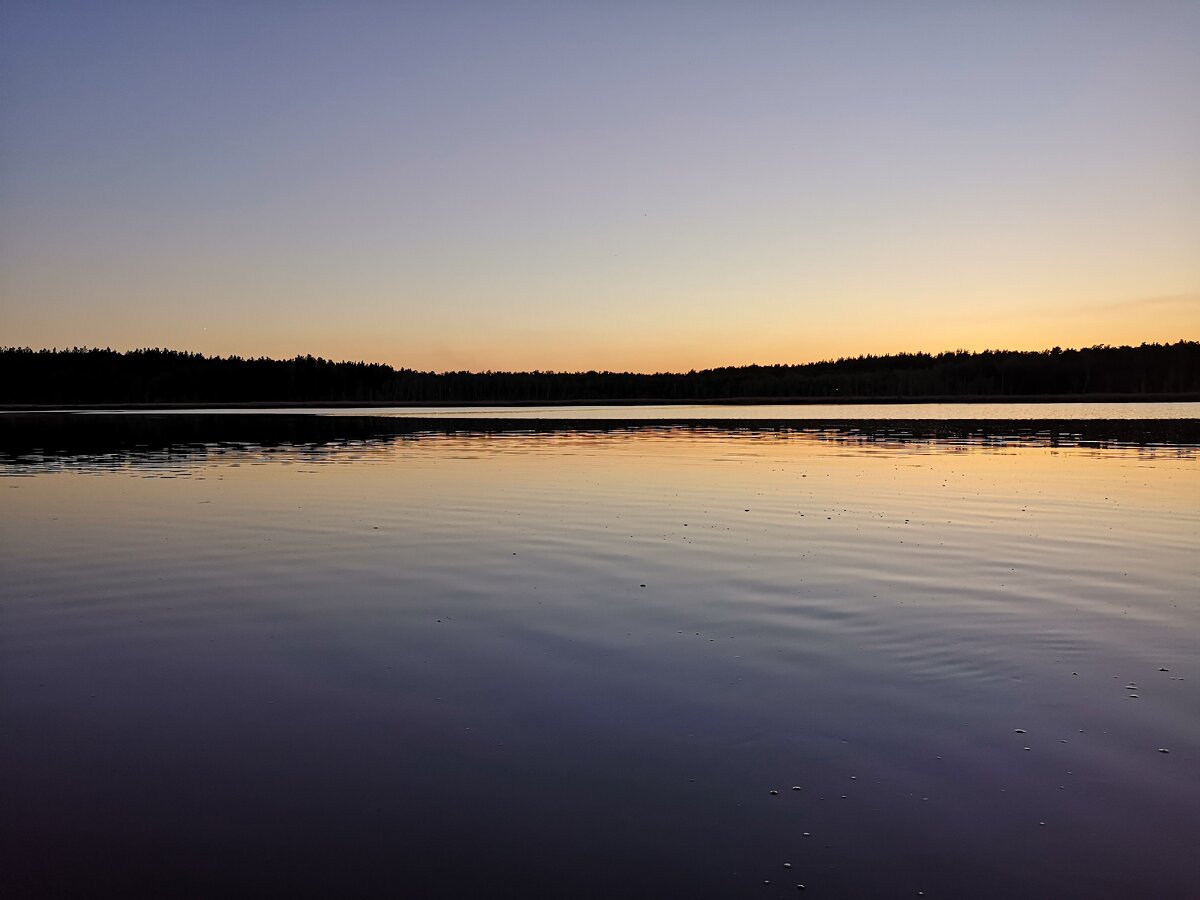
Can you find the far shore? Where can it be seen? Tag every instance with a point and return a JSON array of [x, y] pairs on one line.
[[644, 401]]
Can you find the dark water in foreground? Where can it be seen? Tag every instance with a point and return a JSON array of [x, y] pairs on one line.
[[329, 656]]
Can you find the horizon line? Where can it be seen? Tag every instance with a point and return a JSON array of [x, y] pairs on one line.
[[817, 362]]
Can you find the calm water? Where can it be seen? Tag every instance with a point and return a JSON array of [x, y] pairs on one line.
[[782, 412], [341, 656]]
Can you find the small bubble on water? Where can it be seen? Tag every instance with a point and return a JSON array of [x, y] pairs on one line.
[[1019, 730], [1163, 750]]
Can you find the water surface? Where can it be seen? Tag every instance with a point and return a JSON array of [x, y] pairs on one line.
[[316, 656], [1040, 411]]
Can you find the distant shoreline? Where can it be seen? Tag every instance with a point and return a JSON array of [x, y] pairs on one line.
[[172, 379], [647, 401]]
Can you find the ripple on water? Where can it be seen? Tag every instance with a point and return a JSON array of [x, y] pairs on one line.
[[410, 650]]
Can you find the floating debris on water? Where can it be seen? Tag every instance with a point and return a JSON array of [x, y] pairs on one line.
[[773, 793], [795, 787], [1163, 750], [1019, 730]]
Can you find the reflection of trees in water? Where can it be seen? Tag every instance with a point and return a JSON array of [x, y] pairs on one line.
[[176, 443], [165, 376]]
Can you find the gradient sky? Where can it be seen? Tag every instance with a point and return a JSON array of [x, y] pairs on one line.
[[609, 185]]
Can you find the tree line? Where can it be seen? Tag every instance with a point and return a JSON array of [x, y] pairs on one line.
[[99, 376]]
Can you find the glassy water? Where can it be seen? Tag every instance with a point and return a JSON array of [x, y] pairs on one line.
[[1042, 411], [342, 656]]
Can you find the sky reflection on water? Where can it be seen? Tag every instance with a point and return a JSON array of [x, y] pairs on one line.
[[577, 662]]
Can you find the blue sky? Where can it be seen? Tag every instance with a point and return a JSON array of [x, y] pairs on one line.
[[598, 185]]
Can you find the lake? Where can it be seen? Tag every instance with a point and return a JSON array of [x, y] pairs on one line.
[[710, 653]]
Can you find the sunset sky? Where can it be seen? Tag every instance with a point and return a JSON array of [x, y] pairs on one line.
[[598, 185]]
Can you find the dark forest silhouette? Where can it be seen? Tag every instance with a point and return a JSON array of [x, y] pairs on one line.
[[96, 376]]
